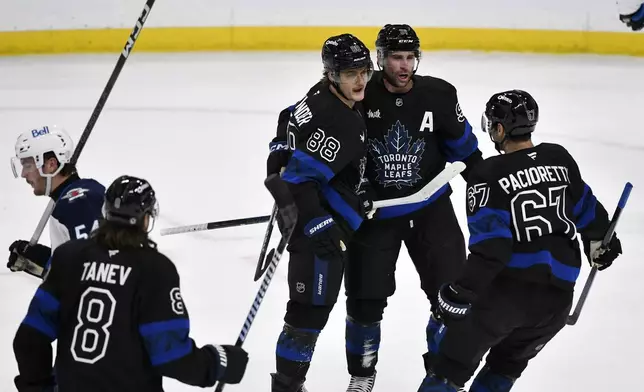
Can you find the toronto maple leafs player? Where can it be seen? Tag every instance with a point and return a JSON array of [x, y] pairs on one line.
[[326, 134], [42, 159], [414, 126], [631, 13], [525, 208], [113, 303]]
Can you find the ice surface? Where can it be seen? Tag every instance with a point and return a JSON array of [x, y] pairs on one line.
[[198, 126]]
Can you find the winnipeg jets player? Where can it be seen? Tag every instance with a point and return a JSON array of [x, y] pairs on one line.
[[631, 13], [42, 159]]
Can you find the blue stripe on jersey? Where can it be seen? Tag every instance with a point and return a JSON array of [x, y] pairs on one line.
[[488, 223], [166, 341], [560, 270], [395, 211], [303, 167], [463, 147], [43, 314], [337, 203], [584, 210]]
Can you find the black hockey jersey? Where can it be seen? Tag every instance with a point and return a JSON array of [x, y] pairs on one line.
[[524, 211], [119, 320], [326, 167], [411, 136]]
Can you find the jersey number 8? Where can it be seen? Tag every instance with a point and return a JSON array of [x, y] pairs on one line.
[[95, 316], [328, 146]]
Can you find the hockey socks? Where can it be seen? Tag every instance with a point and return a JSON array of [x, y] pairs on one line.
[[362, 344], [294, 352], [435, 331], [431, 383]]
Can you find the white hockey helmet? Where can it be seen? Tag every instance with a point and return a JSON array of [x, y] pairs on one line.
[[36, 143]]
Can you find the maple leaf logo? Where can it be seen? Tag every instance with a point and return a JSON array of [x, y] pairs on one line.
[[397, 159]]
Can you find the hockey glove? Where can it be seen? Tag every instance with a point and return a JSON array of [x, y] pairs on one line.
[[326, 237], [635, 20], [280, 153], [232, 363], [48, 385], [37, 254], [454, 302], [278, 158], [602, 257]]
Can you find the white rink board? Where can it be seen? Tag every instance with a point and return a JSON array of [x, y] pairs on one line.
[[576, 15]]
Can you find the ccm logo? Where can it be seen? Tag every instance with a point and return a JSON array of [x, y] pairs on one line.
[[40, 132]]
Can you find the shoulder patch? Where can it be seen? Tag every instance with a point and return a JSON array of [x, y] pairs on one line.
[[76, 193]]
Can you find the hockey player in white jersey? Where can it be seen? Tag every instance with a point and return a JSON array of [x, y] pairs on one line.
[[43, 159], [631, 13]]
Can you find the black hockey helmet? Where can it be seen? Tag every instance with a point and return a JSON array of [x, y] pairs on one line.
[[128, 200], [516, 110], [396, 37], [345, 51]]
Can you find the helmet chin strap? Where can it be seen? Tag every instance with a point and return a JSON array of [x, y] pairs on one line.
[[497, 145], [337, 88], [49, 178], [48, 186]]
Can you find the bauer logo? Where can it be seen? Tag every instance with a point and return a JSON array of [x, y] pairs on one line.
[[317, 225], [397, 159], [40, 132]]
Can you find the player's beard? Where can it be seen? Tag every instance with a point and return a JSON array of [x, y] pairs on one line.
[[395, 82]]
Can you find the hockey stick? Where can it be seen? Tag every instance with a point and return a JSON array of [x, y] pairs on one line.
[[261, 264], [572, 319], [442, 179], [94, 117], [216, 225], [288, 211], [428, 190]]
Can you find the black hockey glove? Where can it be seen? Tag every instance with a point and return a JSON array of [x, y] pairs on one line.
[[326, 237], [37, 254], [635, 20], [48, 385], [280, 153], [232, 363], [278, 158], [454, 301], [602, 258]]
